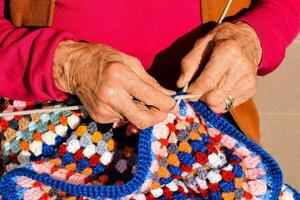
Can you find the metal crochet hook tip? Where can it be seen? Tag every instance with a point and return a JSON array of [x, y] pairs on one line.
[[187, 96], [180, 98]]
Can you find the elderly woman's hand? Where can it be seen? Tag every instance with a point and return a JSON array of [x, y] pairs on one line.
[[231, 53], [107, 81]]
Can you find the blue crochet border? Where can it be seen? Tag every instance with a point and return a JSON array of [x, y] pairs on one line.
[[273, 170], [9, 190]]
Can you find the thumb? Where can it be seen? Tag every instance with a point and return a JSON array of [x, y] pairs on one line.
[[191, 62]]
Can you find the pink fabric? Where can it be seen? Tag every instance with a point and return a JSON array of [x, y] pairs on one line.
[[277, 23], [139, 28]]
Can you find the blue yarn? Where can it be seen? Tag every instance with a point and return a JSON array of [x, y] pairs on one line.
[[58, 140], [198, 145], [14, 124], [190, 196], [15, 147], [198, 197], [235, 157], [54, 118], [20, 192], [55, 155], [42, 126], [237, 170], [178, 196], [82, 164], [180, 92], [69, 131], [227, 152], [174, 170], [215, 196], [186, 158], [67, 159], [98, 169], [92, 127], [164, 181], [205, 138], [162, 198], [182, 108], [227, 186], [47, 150], [45, 118], [27, 135], [33, 157], [28, 117]]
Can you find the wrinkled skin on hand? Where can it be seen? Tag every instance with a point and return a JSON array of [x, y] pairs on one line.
[[228, 57], [107, 81]]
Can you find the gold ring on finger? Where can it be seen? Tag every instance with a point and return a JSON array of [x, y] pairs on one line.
[[229, 103]]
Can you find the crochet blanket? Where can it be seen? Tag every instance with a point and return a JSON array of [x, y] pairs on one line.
[[193, 154]]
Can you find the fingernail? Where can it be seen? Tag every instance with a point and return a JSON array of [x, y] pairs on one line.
[[171, 92], [180, 80]]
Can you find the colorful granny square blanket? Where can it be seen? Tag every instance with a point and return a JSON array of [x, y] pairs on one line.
[[193, 154]]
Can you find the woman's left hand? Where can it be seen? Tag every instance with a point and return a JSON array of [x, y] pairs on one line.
[[233, 52]]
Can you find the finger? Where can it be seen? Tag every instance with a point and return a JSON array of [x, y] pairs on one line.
[[216, 97], [191, 62], [137, 67], [103, 119], [213, 72], [241, 93], [148, 94], [139, 115], [98, 111], [104, 114]]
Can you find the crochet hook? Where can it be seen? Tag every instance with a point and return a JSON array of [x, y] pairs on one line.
[[185, 97], [46, 110], [43, 110]]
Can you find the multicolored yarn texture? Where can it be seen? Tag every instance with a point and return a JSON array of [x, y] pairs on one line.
[[193, 154]]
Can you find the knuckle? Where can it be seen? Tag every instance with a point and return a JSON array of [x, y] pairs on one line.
[[232, 46], [225, 24], [215, 99], [114, 71], [106, 94], [251, 81], [142, 122], [208, 83], [148, 95], [125, 111], [137, 61], [186, 62]]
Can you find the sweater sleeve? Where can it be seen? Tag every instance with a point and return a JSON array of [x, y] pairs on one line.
[[277, 23], [26, 57]]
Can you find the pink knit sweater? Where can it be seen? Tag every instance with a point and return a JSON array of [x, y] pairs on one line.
[[139, 28]]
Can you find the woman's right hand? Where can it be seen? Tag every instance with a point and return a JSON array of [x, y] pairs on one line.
[[107, 81]]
